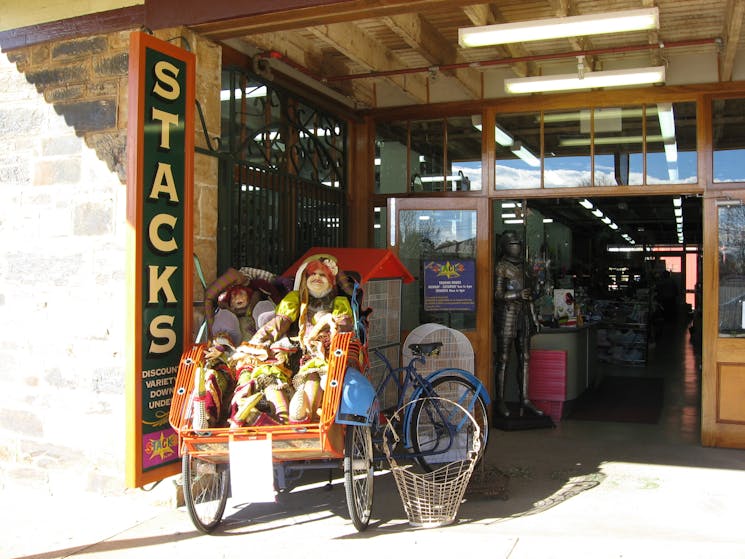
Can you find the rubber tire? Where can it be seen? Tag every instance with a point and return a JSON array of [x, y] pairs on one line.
[[419, 419], [205, 493], [359, 471]]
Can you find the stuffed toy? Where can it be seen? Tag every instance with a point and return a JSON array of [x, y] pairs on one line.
[[318, 312]]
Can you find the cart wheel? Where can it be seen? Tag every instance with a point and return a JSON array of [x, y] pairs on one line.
[[358, 474], [206, 486]]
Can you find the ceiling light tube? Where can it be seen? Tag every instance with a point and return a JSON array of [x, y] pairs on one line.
[[606, 220], [590, 80], [597, 213], [608, 140], [504, 139], [613, 226], [677, 202], [586, 204], [553, 28]]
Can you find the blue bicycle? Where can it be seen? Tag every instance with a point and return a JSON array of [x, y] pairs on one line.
[[433, 431]]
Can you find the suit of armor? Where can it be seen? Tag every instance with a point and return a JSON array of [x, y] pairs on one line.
[[515, 321]]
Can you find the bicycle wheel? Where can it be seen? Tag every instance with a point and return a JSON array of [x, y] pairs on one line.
[[440, 432], [358, 474], [206, 487]]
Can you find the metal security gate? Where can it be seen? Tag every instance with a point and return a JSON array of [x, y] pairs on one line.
[[282, 175], [272, 218]]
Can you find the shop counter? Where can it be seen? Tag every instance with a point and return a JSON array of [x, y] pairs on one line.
[[580, 345]]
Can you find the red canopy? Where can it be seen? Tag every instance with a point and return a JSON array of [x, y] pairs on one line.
[[370, 263]]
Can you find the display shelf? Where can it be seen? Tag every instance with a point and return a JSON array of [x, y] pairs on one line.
[[623, 331]]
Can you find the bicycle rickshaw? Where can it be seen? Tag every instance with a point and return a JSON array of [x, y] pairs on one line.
[[343, 433]]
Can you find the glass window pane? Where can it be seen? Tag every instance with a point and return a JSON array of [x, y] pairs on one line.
[[618, 139], [518, 151], [567, 149], [437, 244], [427, 152], [463, 153], [731, 271], [391, 157], [728, 118], [671, 143]]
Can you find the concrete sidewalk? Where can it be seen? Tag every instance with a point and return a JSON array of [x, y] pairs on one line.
[[570, 493]]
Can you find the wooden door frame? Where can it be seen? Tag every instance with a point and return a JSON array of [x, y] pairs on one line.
[[481, 336]]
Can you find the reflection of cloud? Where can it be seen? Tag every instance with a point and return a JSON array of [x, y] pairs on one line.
[[472, 171], [510, 177]]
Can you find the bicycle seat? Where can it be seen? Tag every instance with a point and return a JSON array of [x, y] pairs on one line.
[[429, 349]]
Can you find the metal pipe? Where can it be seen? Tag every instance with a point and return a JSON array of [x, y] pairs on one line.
[[515, 60]]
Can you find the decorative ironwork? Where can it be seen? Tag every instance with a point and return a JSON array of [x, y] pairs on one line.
[[270, 127], [282, 175]]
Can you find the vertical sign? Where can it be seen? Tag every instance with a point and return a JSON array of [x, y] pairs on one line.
[[160, 169]]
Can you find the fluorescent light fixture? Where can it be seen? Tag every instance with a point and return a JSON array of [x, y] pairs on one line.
[[554, 28], [667, 119], [513, 221], [586, 204], [524, 153], [588, 80], [439, 178], [613, 226], [678, 211], [547, 220], [608, 140], [504, 139], [507, 216], [508, 205], [597, 213], [606, 220], [257, 91], [677, 202]]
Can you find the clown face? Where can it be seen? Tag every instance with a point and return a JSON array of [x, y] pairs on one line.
[[239, 301], [318, 284]]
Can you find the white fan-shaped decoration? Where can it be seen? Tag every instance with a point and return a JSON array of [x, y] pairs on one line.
[[456, 349]]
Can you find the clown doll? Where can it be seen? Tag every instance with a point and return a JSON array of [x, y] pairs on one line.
[[318, 312]]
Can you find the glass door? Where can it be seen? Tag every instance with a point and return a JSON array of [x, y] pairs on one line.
[[723, 383], [444, 243]]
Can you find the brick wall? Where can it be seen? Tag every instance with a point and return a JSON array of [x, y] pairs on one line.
[[63, 120]]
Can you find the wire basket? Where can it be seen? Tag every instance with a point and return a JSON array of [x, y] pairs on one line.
[[432, 499]]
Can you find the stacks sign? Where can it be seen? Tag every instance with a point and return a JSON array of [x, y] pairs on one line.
[[160, 147]]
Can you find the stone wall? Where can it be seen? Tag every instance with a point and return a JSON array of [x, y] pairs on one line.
[[63, 123]]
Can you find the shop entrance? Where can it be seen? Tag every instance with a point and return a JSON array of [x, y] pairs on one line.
[[617, 281]]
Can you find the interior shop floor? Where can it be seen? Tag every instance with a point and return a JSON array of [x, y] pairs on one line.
[[596, 489]]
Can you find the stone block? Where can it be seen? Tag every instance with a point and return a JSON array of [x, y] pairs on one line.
[[62, 145], [103, 88], [65, 171], [65, 93], [114, 65], [89, 116], [111, 147], [21, 422], [45, 77], [75, 48], [14, 122], [92, 218]]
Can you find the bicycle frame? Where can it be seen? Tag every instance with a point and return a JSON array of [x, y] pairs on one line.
[[407, 376]]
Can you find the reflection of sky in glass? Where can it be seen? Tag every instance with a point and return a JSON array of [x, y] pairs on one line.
[[728, 165], [574, 171], [439, 226], [472, 170]]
